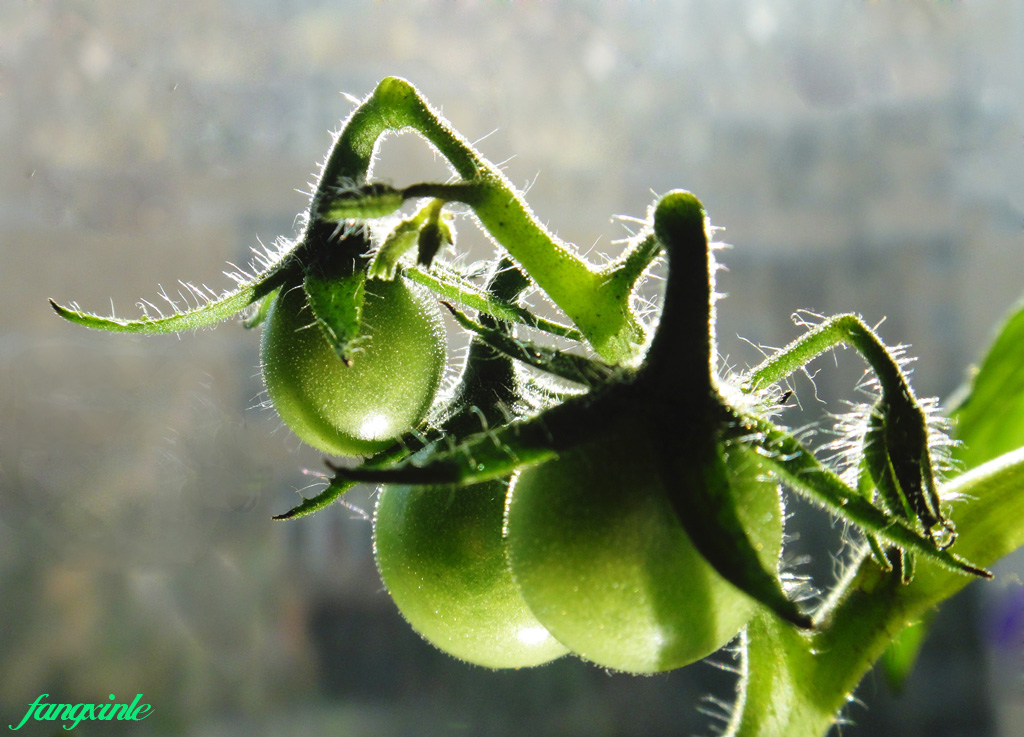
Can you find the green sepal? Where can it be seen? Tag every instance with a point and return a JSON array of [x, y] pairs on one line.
[[879, 468], [875, 548], [699, 488], [337, 304], [449, 284], [569, 366], [905, 432], [337, 486], [398, 242], [866, 489], [260, 311], [801, 471], [402, 239], [210, 313], [490, 391], [494, 453], [434, 235], [482, 457]]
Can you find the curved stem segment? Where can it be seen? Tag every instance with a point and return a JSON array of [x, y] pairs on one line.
[[849, 329], [897, 447], [795, 684], [596, 299]]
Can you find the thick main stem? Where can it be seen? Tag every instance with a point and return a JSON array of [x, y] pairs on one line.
[[794, 685]]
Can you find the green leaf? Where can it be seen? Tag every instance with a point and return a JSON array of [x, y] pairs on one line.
[[989, 416]]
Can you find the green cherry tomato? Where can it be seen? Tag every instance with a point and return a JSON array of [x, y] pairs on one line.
[[604, 564], [441, 555], [361, 408]]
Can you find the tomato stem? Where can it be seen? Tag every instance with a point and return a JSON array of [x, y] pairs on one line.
[[795, 685], [599, 306]]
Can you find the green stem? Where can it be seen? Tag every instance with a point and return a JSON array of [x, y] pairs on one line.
[[849, 329], [599, 305], [795, 684]]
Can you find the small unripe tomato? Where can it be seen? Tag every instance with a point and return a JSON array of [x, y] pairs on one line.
[[386, 391], [604, 563], [441, 555]]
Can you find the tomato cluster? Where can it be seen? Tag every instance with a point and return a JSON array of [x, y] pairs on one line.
[[634, 519], [619, 518], [582, 553]]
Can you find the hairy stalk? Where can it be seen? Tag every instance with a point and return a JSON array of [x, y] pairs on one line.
[[849, 329], [596, 301], [795, 684]]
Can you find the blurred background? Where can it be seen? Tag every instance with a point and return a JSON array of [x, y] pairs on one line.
[[862, 157]]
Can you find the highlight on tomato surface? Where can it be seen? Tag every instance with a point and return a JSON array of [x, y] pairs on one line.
[[440, 553], [603, 562], [387, 390]]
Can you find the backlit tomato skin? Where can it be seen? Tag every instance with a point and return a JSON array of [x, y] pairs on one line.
[[441, 555], [605, 565], [386, 391]]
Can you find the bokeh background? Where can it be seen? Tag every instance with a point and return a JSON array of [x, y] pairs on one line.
[[862, 156]]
